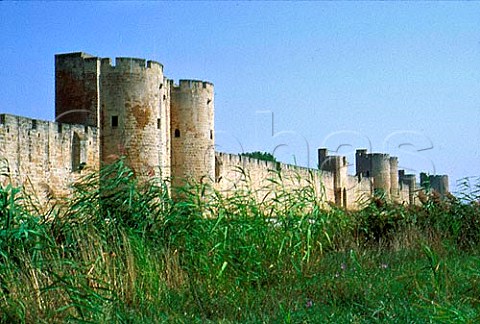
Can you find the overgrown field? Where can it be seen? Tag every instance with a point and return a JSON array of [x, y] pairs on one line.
[[126, 253]]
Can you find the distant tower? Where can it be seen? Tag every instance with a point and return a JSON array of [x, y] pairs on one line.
[[338, 166], [381, 172], [378, 167], [437, 183], [133, 110], [394, 176], [192, 132], [362, 163], [408, 180], [77, 89]]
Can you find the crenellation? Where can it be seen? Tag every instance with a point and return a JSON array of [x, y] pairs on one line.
[[40, 156], [129, 64], [194, 84], [131, 110]]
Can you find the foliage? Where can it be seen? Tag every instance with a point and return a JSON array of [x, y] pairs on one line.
[[122, 251], [264, 156]]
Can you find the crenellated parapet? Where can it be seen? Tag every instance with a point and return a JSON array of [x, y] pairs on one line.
[[128, 108], [45, 157], [132, 65]]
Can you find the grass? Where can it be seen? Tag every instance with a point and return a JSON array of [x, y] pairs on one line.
[[124, 252]]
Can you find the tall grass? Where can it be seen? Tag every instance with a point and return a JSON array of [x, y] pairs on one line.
[[120, 250]]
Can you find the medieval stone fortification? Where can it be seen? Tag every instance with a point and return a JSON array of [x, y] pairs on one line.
[[105, 110]]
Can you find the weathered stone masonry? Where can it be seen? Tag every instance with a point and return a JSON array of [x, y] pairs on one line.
[[105, 111]]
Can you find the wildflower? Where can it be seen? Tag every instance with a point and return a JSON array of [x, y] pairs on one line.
[[343, 266], [384, 266], [309, 303]]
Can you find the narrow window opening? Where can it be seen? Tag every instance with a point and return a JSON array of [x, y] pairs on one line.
[[177, 133], [164, 97], [76, 151], [2, 119], [158, 123], [209, 101], [211, 134], [59, 128], [161, 86], [34, 124], [217, 170], [79, 153], [86, 129], [114, 121]]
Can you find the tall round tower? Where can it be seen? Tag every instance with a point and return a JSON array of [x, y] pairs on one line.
[[192, 132], [133, 111], [394, 176], [381, 172]]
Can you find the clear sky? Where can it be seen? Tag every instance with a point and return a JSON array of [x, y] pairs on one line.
[[395, 77]]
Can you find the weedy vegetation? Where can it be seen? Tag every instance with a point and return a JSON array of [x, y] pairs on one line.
[[122, 251]]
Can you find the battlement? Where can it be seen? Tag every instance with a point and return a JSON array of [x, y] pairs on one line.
[[27, 125], [127, 107], [193, 85], [131, 64], [237, 159], [378, 156]]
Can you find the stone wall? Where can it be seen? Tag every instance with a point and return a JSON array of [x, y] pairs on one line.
[[234, 172], [264, 178], [45, 157], [105, 111]]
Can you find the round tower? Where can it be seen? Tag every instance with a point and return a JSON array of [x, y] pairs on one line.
[[381, 172], [192, 132], [410, 181], [133, 108], [439, 183], [394, 176]]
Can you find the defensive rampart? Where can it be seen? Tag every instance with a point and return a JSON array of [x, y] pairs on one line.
[[131, 109], [45, 157], [264, 178]]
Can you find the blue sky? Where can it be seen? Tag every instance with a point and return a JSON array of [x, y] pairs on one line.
[[395, 77]]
